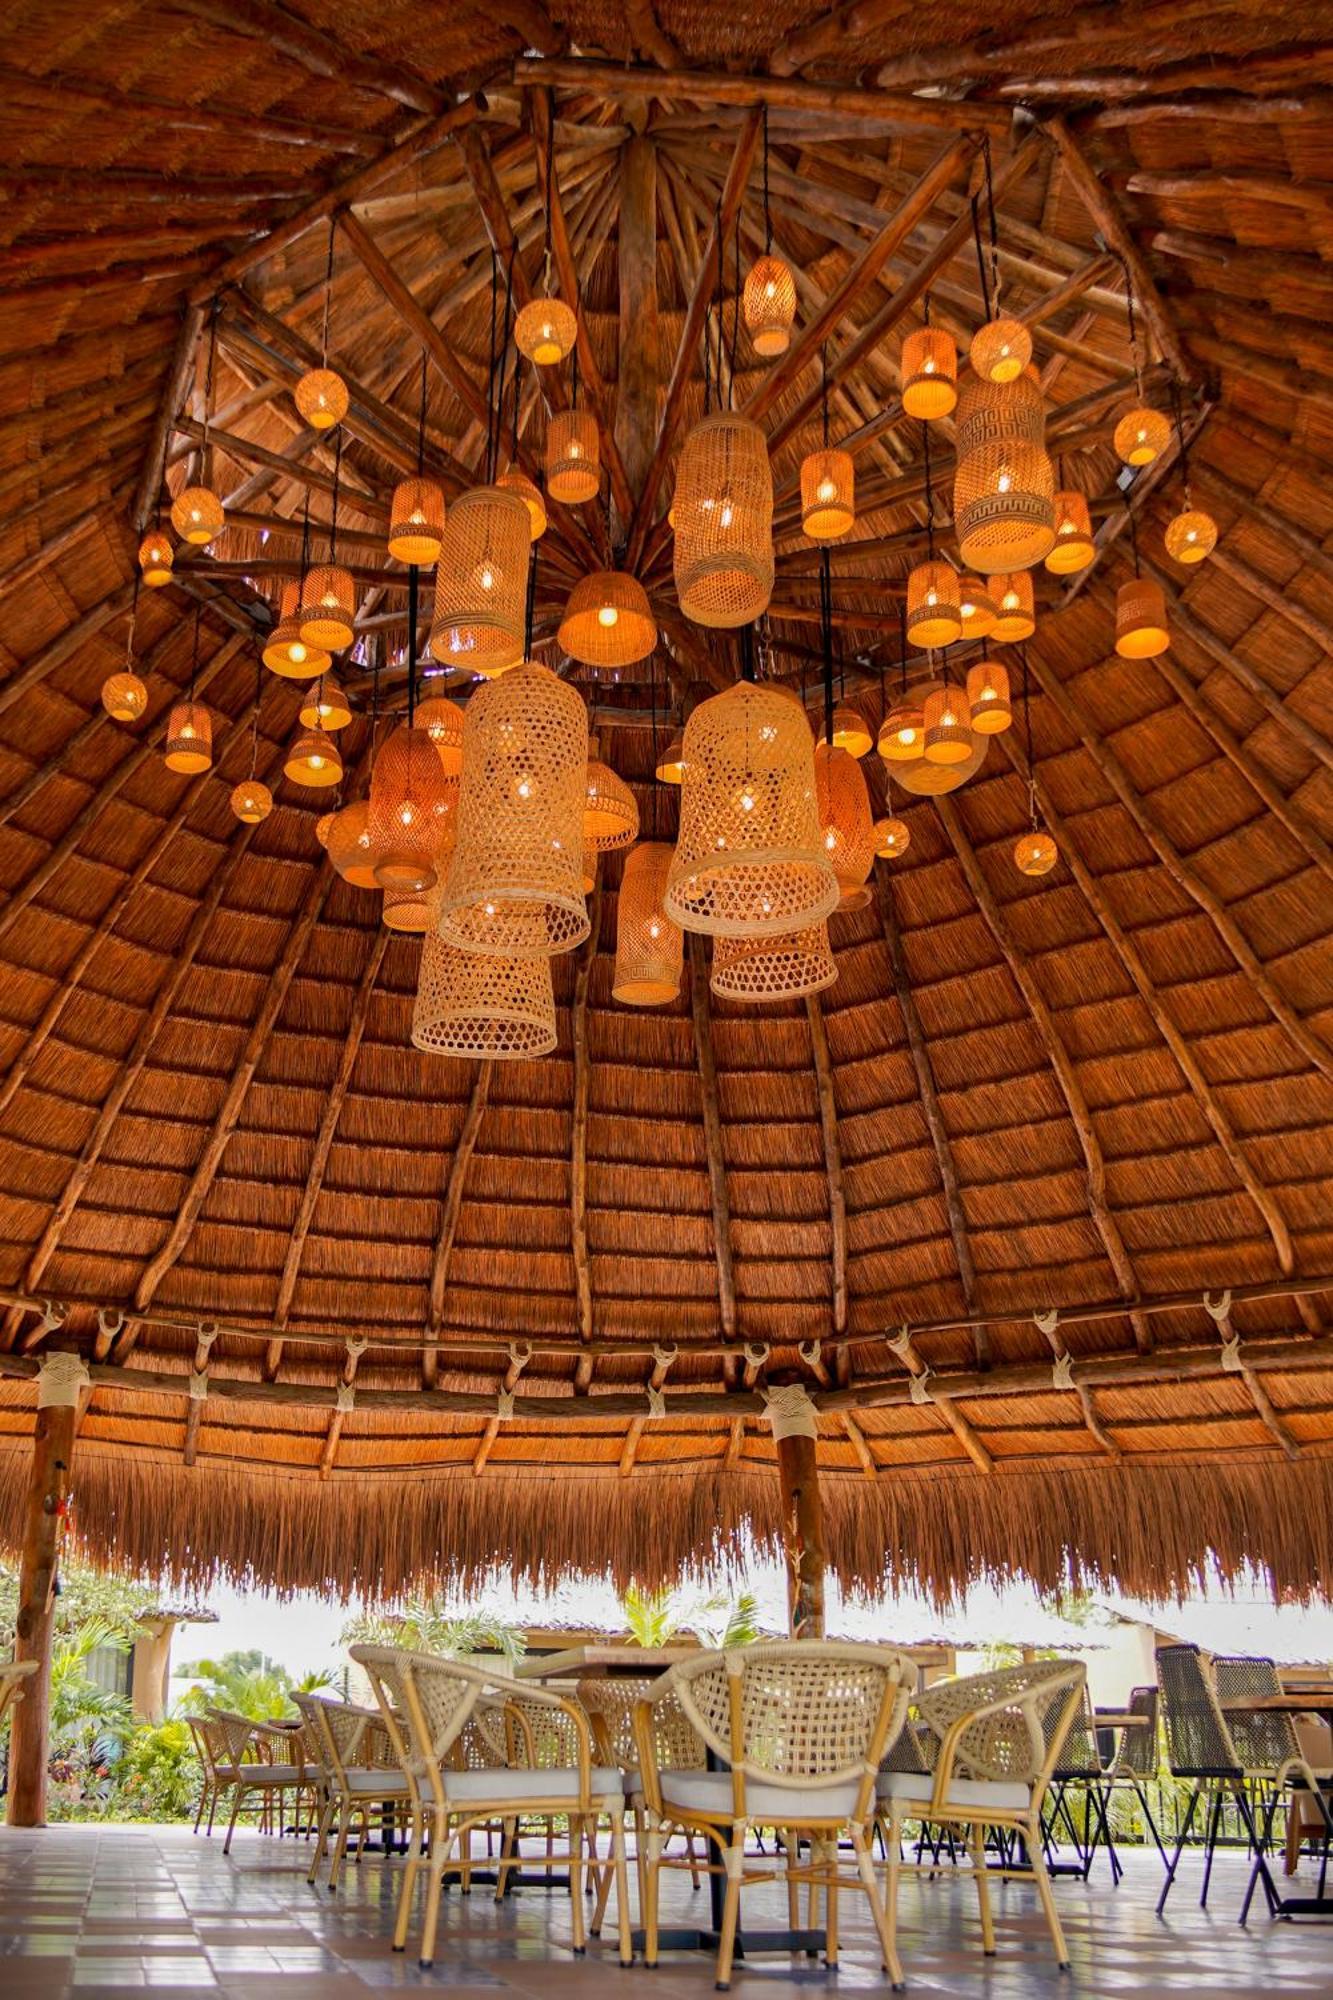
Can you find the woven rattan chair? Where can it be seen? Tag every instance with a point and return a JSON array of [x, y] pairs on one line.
[[999, 1740], [609, 1704], [1200, 1749], [244, 1767], [1270, 1750], [1138, 1757], [797, 1732], [212, 1749], [360, 1775], [426, 1704], [1079, 1769]]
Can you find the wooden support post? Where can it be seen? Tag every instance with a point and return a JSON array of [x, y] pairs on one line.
[[578, 1160], [828, 1122], [52, 1450], [449, 1214], [712, 1117], [802, 1535], [636, 391]]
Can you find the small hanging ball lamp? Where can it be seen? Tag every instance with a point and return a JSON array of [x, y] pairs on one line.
[[321, 397], [1142, 435], [313, 760], [286, 653], [769, 305], [1000, 350], [934, 605], [405, 826], [1140, 619], [1015, 612], [409, 910], [671, 764], [196, 515], [948, 720], [849, 731], [650, 949], [478, 1004], [481, 584], [573, 463], [251, 801], [442, 721], [349, 847], [977, 607], [530, 494], [893, 837], [723, 549], [1035, 853], [902, 734], [1004, 483], [328, 608], [189, 739], [988, 697], [545, 331], [1073, 548], [1191, 536], [773, 968], [828, 494], [155, 559], [325, 706], [929, 373], [846, 823], [608, 621], [610, 812], [416, 522], [124, 696]]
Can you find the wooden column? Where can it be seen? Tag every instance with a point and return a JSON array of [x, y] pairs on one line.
[[53, 1448], [636, 390], [803, 1536]]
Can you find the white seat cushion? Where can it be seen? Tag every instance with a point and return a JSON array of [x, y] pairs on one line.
[[772, 1804], [271, 1774], [505, 1786], [918, 1788], [376, 1784]]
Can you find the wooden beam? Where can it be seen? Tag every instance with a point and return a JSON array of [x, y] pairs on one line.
[[317, 50], [828, 1125], [1277, 598], [135, 109], [578, 1164], [450, 1211], [636, 373], [1143, 484], [649, 36], [1259, 1395], [48, 1490], [442, 352], [64, 645], [701, 1015], [146, 492], [857, 1439], [802, 1536]]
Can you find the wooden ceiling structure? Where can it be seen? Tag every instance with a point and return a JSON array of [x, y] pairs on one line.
[[1037, 1200]]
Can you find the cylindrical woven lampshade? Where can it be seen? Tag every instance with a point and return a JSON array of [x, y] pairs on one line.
[[416, 521], [608, 621], [988, 697], [481, 583], [573, 464], [545, 330], [723, 553], [671, 763], [977, 607], [520, 819], [196, 515], [1004, 485], [750, 857], [408, 910], [408, 788], [846, 824], [650, 949], [929, 373], [530, 494], [769, 304], [1016, 616], [934, 605], [1073, 548], [479, 1004], [325, 706], [610, 814], [1191, 536], [349, 847], [1140, 620], [124, 696], [924, 778], [902, 733], [286, 653], [773, 968], [313, 760], [251, 801], [1001, 349], [1035, 853], [328, 608], [828, 494], [893, 837], [948, 726], [1142, 435], [189, 746], [850, 732], [443, 722], [155, 559], [321, 397]]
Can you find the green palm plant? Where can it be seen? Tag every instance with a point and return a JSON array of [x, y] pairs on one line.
[[424, 1626], [650, 1615]]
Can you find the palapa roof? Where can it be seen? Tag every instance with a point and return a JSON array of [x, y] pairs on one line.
[[1107, 1091]]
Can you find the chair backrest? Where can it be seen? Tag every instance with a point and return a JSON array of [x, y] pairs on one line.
[[1137, 1756], [610, 1703], [1263, 1742], [233, 1736], [1010, 1724], [1078, 1755], [336, 1731], [1198, 1740], [426, 1702]]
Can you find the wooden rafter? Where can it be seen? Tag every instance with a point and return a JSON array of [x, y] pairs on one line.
[[451, 1209], [828, 1125], [578, 1160], [701, 1015]]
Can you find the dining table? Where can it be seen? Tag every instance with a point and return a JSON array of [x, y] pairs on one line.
[[1299, 1698]]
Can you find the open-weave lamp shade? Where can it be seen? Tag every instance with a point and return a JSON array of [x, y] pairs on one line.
[[769, 304], [1000, 350], [573, 468], [671, 764], [481, 583], [893, 837], [926, 779], [408, 798], [325, 706], [977, 607], [408, 910], [196, 515], [530, 494], [1140, 620], [1073, 548], [416, 521], [1035, 853], [934, 605], [723, 551], [313, 760], [948, 726], [189, 738], [545, 331], [1015, 608], [902, 733], [443, 722], [321, 397], [251, 801], [328, 607], [478, 1004], [516, 884], [324, 827], [349, 847], [1004, 485], [610, 813], [750, 858], [155, 560], [850, 731], [650, 949], [988, 697], [846, 824], [1142, 435], [828, 494], [608, 621], [929, 373], [286, 653], [124, 697], [773, 968], [1191, 536]]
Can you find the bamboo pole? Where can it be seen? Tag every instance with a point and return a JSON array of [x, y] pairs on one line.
[[451, 1210], [52, 1453], [701, 1015], [828, 1122], [578, 1161]]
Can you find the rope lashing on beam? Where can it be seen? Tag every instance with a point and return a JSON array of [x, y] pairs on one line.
[[790, 1412], [520, 1353], [61, 1380]]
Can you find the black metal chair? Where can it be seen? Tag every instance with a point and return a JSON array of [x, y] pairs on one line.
[[1270, 1751], [1138, 1757], [1081, 1769], [1199, 1749]]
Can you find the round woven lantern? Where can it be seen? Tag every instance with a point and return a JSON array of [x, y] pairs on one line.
[[828, 494], [573, 467], [723, 550], [750, 857], [478, 1004], [893, 837], [769, 304], [481, 583], [416, 522], [610, 814], [1004, 485], [196, 515], [846, 824], [328, 607], [124, 696], [408, 790], [516, 883], [349, 847], [1035, 853], [948, 726], [977, 607], [1142, 435], [189, 746], [934, 606], [313, 760], [608, 621], [773, 968], [650, 949], [155, 559], [286, 653], [325, 706], [671, 764], [321, 397], [1073, 548], [988, 697], [408, 910], [443, 722], [1000, 350], [1015, 613], [849, 731], [1140, 620], [1191, 536], [251, 801], [324, 827], [530, 494], [929, 373], [546, 331], [902, 733]]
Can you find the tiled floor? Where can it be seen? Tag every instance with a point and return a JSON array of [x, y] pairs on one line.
[[87, 1911]]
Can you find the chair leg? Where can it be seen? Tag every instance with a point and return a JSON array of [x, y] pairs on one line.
[[1181, 1838], [434, 1890], [1148, 1819], [829, 1857], [619, 1867], [321, 1840], [652, 1882], [1259, 1848], [884, 1913], [977, 1842], [241, 1793], [693, 1861], [345, 1810], [731, 1909], [579, 1841], [414, 1845], [1209, 1844], [1043, 1882]]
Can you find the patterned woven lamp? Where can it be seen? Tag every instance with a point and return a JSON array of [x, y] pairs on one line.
[[610, 812], [546, 330], [902, 733], [929, 372], [948, 719], [328, 608], [155, 558], [845, 823], [313, 760], [828, 494], [573, 457], [650, 949], [481, 583], [321, 393], [443, 722], [608, 621], [349, 847], [850, 732], [530, 494], [1073, 548], [934, 605], [325, 706], [977, 607], [723, 552], [1016, 617], [251, 801], [286, 653], [1035, 853], [988, 697], [1140, 619], [1004, 483], [324, 827], [409, 910], [1000, 350], [416, 521], [189, 738], [773, 968], [408, 788], [477, 1004]]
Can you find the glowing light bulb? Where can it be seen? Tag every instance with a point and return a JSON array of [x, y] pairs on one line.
[[827, 490], [932, 597], [726, 513], [1009, 601], [575, 448], [988, 694], [747, 802], [654, 929], [296, 652], [929, 368], [608, 615], [946, 720], [487, 577], [1005, 480], [770, 289], [907, 735]]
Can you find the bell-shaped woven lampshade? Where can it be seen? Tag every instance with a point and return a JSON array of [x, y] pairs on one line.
[[530, 494], [189, 738], [846, 824], [929, 373], [850, 732], [1001, 349], [1142, 435], [481, 583], [155, 559], [251, 801], [934, 605], [948, 726], [828, 494], [988, 697], [1191, 536], [723, 553], [443, 722], [321, 397], [545, 330], [608, 621], [610, 813], [325, 706], [286, 653], [750, 858], [773, 968], [407, 789], [416, 522], [573, 462], [196, 515], [1073, 548], [520, 819], [671, 764], [1016, 616], [893, 836], [409, 910], [349, 847], [1140, 619], [650, 949], [902, 733], [1035, 853], [480, 1004], [977, 607], [1004, 484], [769, 304], [313, 759], [328, 608], [924, 778], [124, 696]]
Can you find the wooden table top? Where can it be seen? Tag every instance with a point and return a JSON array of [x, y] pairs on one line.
[[1119, 1718], [1291, 1701], [577, 1661]]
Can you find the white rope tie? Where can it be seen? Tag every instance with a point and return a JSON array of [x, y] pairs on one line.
[[664, 1356], [1218, 1309], [504, 1405], [199, 1385], [53, 1316], [790, 1412], [356, 1344], [809, 1352], [900, 1343], [656, 1402], [520, 1353], [346, 1397], [916, 1387], [61, 1380], [756, 1353], [1047, 1322], [1231, 1361], [110, 1320], [1062, 1375]]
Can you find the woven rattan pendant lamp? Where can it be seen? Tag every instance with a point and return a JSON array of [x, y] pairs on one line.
[[1004, 483], [196, 512], [443, 722], [948, 720], [722, 556], [828, 487], [1035, 851], [313, 759], [610, 812], [846, 824], [893, 836], [480, 1005], [608, 622], [155, 558], [768, 300], [773, 968], [348, 845], [321, 394], [1140, 607], [408, 789], [850, 731], [546, 328], [325, 706], [252, 801], [988, 697], [417, 510], [124, 696], [1015, 608], [530, 494], [1191, 535], [934, 599], [189, 745], [481, 583], [1073, 548], [286, 653], [929, 371], [1142, 433], [328, 594], [977, 608], [650, 948]]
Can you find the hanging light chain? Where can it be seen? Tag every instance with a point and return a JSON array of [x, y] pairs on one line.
[[328, 295], [768, 213]]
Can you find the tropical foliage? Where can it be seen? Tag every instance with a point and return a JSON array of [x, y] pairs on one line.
[[425, 1626], [249, 1684], [655, 1617]]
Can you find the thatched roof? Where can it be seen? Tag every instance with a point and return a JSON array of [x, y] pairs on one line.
[[1108, 1091]]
